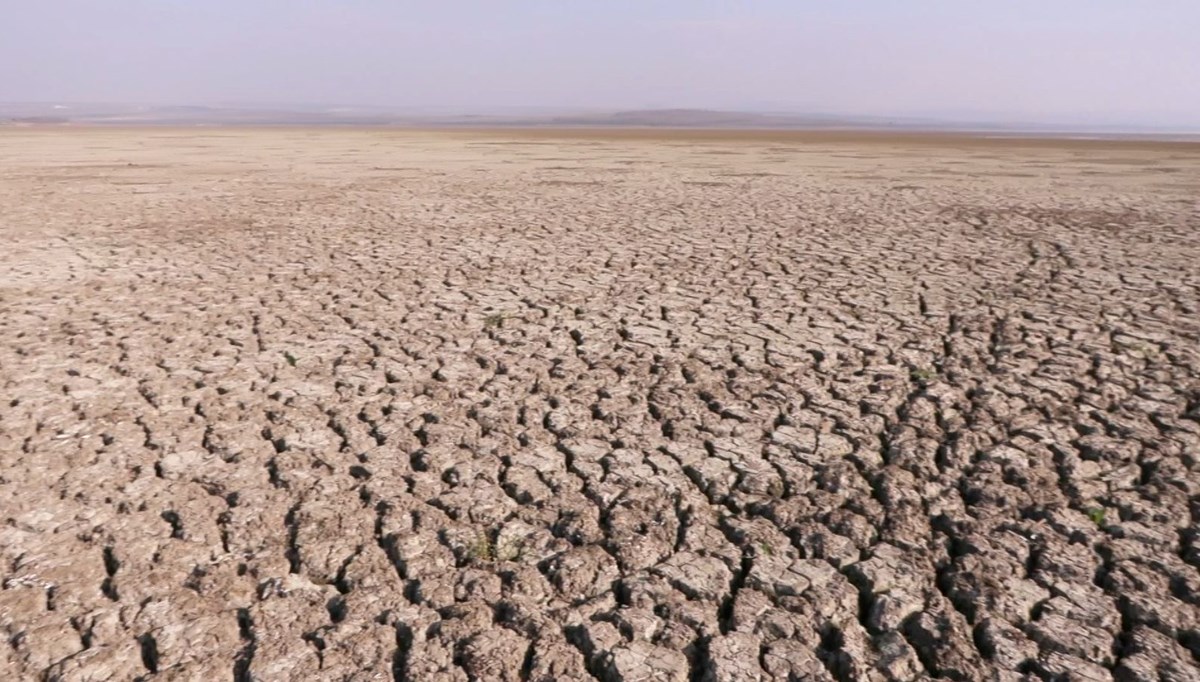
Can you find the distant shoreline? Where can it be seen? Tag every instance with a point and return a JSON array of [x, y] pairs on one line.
[[669, 119], [879, 134]]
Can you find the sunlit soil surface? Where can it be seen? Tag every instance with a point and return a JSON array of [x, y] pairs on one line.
[[542, 405]]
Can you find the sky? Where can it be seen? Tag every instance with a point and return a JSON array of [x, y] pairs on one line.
[[1091, 61]]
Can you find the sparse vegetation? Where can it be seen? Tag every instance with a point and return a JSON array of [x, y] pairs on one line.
[[922, 375], [1096, 514], [483, 549], [291, 359], [493, 321], [486, 548], [1146, 351]]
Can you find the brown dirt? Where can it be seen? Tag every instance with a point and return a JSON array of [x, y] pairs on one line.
[[334, 405]]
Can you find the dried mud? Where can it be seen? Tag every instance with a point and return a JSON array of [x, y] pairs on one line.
[[358, 405]]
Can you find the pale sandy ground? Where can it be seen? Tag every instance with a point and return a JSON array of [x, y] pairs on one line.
[[333, 405]]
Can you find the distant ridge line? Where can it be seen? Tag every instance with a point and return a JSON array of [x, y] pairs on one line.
[[43, 114]]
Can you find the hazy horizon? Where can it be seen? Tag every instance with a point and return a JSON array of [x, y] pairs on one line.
[[1071, 62]]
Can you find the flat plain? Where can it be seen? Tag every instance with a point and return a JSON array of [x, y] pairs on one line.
[[289, 404]]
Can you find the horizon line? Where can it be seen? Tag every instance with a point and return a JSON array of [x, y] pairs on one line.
[[984, 119]]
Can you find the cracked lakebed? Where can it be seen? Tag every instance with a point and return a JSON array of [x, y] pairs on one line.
[[358, 405]]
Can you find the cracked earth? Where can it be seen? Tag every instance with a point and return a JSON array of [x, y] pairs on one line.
[[360, 405]]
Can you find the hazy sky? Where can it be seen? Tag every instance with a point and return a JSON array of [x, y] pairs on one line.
[[1135, 61]]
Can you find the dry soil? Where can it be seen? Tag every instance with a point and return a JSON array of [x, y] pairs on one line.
[[359, 405]]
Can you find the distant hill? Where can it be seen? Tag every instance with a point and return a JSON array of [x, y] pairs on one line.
[[702, 118], [134, 115]]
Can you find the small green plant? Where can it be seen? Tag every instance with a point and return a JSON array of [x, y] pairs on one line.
[[291, 359], [1146, 350], [483, 549], [766, 549], [1096, 514], [493, 321], [923, 375]]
